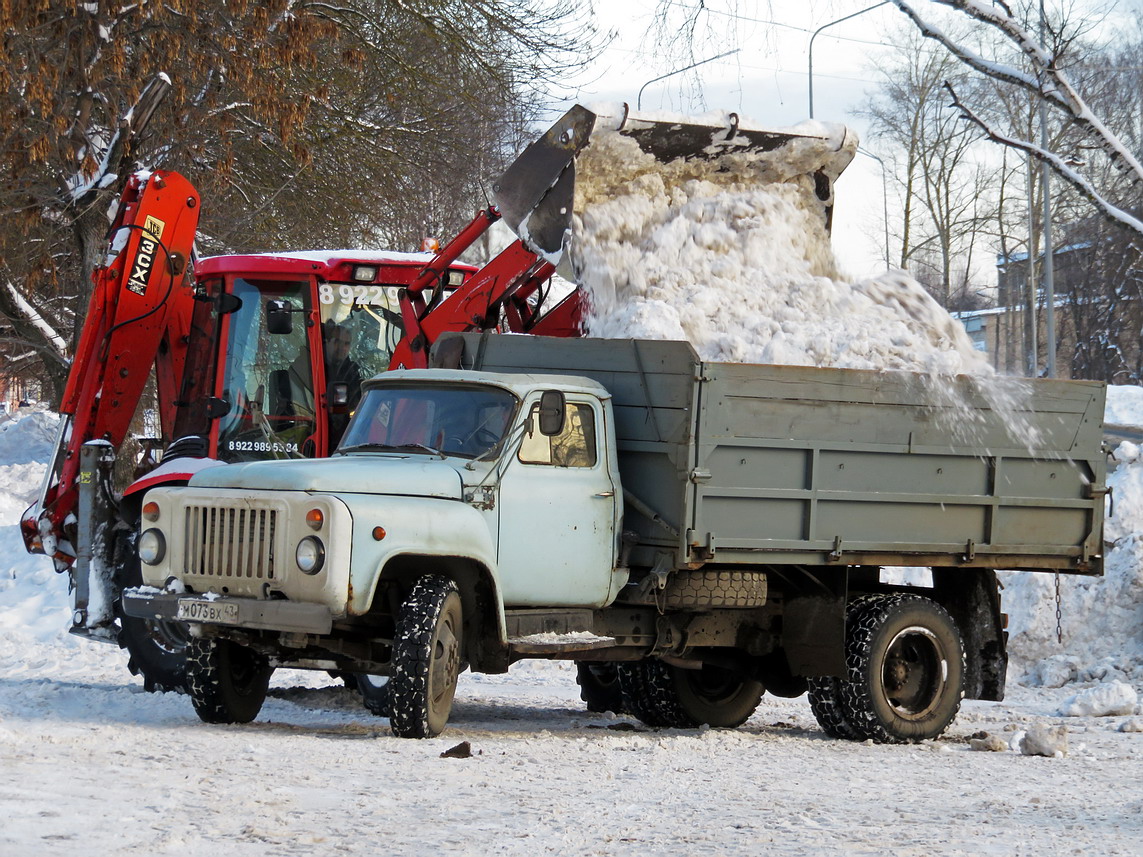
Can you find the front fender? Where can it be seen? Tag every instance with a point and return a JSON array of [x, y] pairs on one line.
[[415, 526]]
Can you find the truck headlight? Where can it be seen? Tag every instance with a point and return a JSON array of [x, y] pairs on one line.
[[152, 547], [310, 555]]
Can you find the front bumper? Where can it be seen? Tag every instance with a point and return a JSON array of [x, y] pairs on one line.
[[232, 612]]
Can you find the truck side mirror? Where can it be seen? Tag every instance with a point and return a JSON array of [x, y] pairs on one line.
[[278, 318], [553, 411]]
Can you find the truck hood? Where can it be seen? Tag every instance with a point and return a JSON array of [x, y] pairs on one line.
[[412, 476]]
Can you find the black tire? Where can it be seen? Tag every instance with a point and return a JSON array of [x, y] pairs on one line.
[[825, 692], [599, 686], [374, 690], [157, 649], [905, 670], [671, 697], [427, 653], [824, 695], [227, 682]]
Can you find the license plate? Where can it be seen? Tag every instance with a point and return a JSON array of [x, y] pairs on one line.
[[195, 610]]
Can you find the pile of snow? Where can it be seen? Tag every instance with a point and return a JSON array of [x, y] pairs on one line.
[[33, 598], [1101, 618], [1124, 406], [733, 256]]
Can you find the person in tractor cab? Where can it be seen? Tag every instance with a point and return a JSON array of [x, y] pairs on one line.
[[342, 377]]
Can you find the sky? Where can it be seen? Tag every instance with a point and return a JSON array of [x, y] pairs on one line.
[[766, 80]]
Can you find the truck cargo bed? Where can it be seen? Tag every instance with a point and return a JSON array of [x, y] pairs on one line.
[[800, 465]]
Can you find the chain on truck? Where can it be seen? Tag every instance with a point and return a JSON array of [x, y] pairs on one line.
[[691, 534]]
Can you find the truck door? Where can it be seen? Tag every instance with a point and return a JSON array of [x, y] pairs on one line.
[[558, 510]]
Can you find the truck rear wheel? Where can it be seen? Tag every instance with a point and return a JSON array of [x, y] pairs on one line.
[[825, 693], [156, 649], [426, 658], [227, 682], [905, 670], [671, 697], [599, 686]]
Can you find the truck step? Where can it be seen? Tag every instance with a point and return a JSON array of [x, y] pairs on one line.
[[552, 644]]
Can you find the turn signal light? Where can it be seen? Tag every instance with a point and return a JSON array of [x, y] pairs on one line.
[[151, 511], [315, 518], [378, 533]]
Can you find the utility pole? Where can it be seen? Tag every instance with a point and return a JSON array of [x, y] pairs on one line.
[[1049, 250]]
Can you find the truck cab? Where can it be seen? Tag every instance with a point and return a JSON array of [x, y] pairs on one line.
[[503, 487]]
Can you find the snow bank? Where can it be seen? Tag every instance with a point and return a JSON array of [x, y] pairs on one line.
[[33, 598], [1101, 618], [1124, 406]]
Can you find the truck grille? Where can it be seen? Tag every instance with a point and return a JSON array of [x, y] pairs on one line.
[[230, 543]]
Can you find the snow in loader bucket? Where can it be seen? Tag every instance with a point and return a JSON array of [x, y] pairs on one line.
[[536, 194]]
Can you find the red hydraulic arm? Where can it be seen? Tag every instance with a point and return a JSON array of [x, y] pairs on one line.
[[138, 316], [504, 283]]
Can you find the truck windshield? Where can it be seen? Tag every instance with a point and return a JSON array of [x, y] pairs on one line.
[[452, 419]]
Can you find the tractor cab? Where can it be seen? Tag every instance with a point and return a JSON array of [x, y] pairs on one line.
[[280, 343]]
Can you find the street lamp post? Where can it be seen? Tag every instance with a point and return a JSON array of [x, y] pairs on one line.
[[815, 35], [639, 98], [884, 200]]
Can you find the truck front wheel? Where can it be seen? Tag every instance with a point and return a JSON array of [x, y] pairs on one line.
[[427, 652], [227, 682], [905, 670]]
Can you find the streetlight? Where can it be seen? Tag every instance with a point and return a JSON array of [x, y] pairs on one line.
[[639, 98], [815, 35], [884, 200]]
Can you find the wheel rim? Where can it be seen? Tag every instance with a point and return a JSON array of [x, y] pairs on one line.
[[445, 663], [914, 673]]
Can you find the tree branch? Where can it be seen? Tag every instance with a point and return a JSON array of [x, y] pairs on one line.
[[1079, 182]]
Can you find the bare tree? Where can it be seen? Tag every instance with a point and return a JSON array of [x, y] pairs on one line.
[[301, 123], [945, 190]]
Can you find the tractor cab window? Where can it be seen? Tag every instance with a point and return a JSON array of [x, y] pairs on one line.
[[268, 388]]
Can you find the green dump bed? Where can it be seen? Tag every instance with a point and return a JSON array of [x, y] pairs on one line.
[[799, 465]]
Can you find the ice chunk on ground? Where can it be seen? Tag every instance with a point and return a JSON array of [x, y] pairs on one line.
[[1104, 700], [1051, 741]]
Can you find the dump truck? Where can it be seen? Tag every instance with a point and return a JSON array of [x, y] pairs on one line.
[[709, 531]]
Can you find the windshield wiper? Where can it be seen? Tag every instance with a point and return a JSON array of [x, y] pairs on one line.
[[386, 447]]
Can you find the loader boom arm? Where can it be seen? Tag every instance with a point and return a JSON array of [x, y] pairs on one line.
[[138, 318]]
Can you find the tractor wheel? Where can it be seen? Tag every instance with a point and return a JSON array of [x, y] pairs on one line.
[[905, 670], [157, 648], [427, 652], [227, 682]]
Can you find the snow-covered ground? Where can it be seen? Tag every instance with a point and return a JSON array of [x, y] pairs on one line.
[[94, 765]]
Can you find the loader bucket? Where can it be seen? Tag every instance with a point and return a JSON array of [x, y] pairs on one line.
[[536, 193]]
